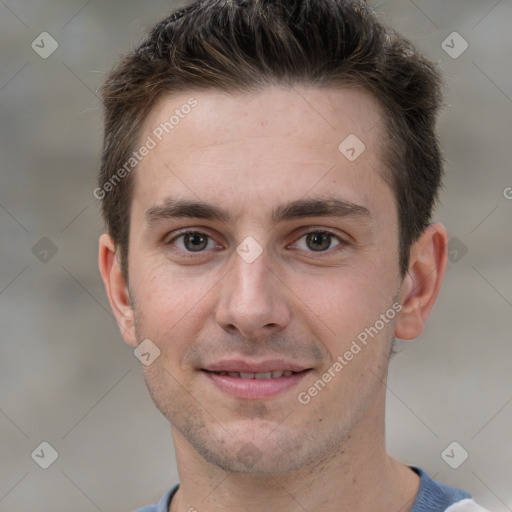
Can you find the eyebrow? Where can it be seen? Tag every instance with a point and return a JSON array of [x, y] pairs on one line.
[[332, 207]]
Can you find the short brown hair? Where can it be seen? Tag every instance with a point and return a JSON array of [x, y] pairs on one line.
[[247, 45]]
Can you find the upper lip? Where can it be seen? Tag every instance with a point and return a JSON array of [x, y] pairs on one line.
[[268, 365]]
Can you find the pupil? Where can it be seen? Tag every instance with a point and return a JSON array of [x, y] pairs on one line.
[[319, 239], [195, 242]]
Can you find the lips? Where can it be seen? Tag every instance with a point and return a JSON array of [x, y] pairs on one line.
[[255, 380], [260, 375], [256, 367]]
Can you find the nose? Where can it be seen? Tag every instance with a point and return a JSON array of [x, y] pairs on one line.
[[252, 299]]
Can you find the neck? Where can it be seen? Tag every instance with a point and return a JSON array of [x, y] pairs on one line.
[[357, 475]]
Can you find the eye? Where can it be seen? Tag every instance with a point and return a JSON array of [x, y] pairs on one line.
[[192, 241], [318, 241]]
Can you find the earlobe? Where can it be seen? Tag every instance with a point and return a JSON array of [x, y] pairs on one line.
[[116, 288], [423, 281]]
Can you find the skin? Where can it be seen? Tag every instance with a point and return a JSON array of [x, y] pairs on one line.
[[249, 154]]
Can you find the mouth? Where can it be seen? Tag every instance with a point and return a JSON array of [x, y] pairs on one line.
[[275, 374], [266, 380]]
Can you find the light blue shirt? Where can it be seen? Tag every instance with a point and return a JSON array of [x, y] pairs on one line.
[[432, 497]]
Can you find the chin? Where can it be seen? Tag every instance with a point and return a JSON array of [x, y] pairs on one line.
[[256, 450], [251, 460]]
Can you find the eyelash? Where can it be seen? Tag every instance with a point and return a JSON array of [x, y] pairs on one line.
[[191, 254]]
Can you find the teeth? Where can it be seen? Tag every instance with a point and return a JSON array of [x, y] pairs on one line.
[[262, 375], [265, 375]]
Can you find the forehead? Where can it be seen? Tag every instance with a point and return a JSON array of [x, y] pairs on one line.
[[207, 144], [308, 113]]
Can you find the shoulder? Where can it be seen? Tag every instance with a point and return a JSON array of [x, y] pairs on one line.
[[435, 496], [467, 505], [163, 504]]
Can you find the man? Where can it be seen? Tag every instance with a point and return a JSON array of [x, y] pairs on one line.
[[268, 176]]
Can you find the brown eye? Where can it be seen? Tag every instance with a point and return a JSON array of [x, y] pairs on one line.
[[195, 241], [192, 241], [318, 241]]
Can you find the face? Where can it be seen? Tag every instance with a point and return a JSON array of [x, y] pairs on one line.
[[258, 246]]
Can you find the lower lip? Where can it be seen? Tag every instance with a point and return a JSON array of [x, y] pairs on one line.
[[255, 389]]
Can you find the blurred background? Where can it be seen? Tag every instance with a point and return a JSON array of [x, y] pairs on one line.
[[66, 376]]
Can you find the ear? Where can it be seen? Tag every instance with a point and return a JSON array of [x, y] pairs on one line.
[[116, 288], [421, 285]]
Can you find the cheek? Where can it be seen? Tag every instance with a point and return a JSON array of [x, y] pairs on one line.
[[164, 296], [171, 308], [346, 300]]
